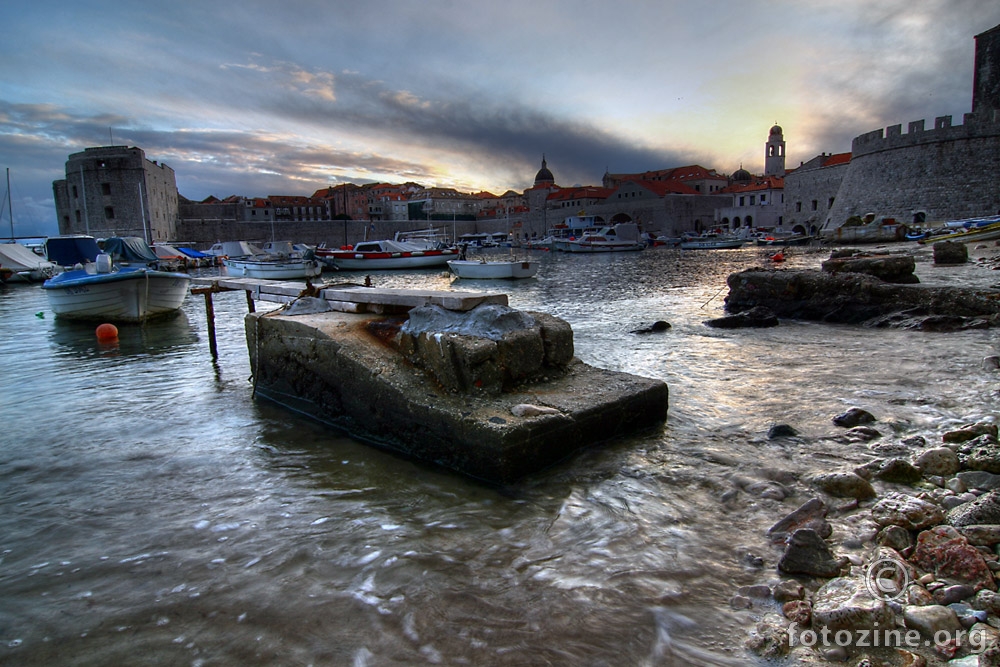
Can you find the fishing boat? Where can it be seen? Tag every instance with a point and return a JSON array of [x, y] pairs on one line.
[[233, 249], [120, 284], [385, 254], [484, 269], [710, 242]]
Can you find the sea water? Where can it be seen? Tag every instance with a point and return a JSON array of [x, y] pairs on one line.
[[152, 511]]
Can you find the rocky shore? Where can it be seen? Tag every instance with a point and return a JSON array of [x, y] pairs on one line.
[[927, 515]]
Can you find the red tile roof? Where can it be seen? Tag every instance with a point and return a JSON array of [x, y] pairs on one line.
[[839, 158]]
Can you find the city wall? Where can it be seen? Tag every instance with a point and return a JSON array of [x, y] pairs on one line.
[[948, 172]]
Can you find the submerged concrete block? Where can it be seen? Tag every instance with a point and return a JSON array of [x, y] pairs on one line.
[[333, 367]]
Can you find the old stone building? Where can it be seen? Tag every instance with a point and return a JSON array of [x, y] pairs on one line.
[[116, 191], [811, 191]]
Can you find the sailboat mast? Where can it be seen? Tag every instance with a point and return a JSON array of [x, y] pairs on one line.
[[10, 208]]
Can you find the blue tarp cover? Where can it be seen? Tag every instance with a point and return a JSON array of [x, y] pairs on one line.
[[190, 252], [70, 250]]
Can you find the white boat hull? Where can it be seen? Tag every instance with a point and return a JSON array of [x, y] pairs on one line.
[[710, 245], [583, 246], [277, 270], [492, 270], [350, 261], [125, 296]]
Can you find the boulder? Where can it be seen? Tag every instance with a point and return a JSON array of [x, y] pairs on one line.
[[950, 252], [931, 619], [945, 552], [758, 317], [854, 417], [807, 553], [889, 268], [899, 509], [938, 461], [983, 510], [845, 603], [811, 514], [843, 485]]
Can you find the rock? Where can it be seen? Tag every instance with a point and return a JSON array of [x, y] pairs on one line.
[[947, 595], [968, 616], [807, 553], [931, 619], [899, 471], [655, 327], [907, 511], [981, 535], [938, 461], [788, 590], [854, 417], [843, 485], [977, 479], [889, 268], [768, 641], [983, 510], [844, 603], [987, 600], [811, 514], [918, 595], [755, 591], [985, 457], [894, 537], [991, 363], [798, 611], [740, 602], [945, 552], [990, 657], [529, 410], [781, 431], [950, 252], [970, 431], [757, 318]]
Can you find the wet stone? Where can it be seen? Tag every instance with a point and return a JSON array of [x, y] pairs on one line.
[[844, 603], [854, 417], [943, 551], [978, 479], [983, 510], [894, 537], [899, 471], [907, 511], [938, 461], [807, 553], [781, 431], [843, 485], [811, 514], [970, 432]]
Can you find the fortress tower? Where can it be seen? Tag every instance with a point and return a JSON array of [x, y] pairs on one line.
[[986, 77]]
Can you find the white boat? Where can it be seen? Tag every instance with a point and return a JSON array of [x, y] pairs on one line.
[[274, 269], [233, 249], [619, 238], [24, 265], [103, 290], [710, 242], [385, 254], [483, 269]]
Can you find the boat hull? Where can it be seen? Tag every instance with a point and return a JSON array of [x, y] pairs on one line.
[[127, 295], [492, 270], [710, 245], [289, 270], [583, 246], [349, 261]]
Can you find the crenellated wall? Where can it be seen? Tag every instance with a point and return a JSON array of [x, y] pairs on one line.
[[945, 173]]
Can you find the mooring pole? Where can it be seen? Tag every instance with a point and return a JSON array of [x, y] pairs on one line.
[[209, 318]]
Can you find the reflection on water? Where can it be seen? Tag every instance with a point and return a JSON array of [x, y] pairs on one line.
[[153, 512]]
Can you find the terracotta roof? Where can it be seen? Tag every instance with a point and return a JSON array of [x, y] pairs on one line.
[[759, 183], [586, 192], [662, 188], [839, 158]]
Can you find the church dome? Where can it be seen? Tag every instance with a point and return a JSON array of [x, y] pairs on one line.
[[741, 175], [776, 129], [544, 175]]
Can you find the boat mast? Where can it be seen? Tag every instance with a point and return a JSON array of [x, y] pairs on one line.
[[10, 208]]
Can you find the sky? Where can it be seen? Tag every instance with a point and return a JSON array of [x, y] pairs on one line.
[[260, 98]]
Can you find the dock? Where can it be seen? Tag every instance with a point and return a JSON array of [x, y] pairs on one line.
[[343, 297]]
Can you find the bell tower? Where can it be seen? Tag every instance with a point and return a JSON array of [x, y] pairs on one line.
[[774, 156]]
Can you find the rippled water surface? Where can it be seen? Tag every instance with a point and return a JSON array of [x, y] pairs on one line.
[[153, 512]]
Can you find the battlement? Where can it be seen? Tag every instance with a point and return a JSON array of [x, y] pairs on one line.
[[973, 126]]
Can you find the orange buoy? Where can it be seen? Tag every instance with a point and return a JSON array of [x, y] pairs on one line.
[[778, 257], [107, 332]]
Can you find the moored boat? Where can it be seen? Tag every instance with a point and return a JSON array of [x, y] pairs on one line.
[[24, 265], [130, 290], [711, 242], [385, 254], [483, 269], [274, 269]]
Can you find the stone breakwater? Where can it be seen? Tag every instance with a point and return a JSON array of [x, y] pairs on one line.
[[493, 392], [925, 515], [849, 297]]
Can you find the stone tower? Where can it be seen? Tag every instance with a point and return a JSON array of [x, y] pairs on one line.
[[986, 76], [774, 156]]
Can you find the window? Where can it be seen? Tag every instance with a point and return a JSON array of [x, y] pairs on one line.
[[75, 195], [753, 199], [742, 201], [798, 207], [814, 204], [830, 203], [109, 212], [763, 199], [105, 188]]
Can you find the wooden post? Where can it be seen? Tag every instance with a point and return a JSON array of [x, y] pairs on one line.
[[210, 317], [250, 303]]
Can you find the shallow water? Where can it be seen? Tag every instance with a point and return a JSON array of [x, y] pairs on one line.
[[153, 512]]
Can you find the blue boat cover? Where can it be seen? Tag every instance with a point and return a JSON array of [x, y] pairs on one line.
[[70, 250], [129, 249], [190, 252]]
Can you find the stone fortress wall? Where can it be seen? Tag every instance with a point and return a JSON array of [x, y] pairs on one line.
[[932, 175]]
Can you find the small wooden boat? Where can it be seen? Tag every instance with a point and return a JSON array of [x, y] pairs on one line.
[[492, 269], [710, 242]]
